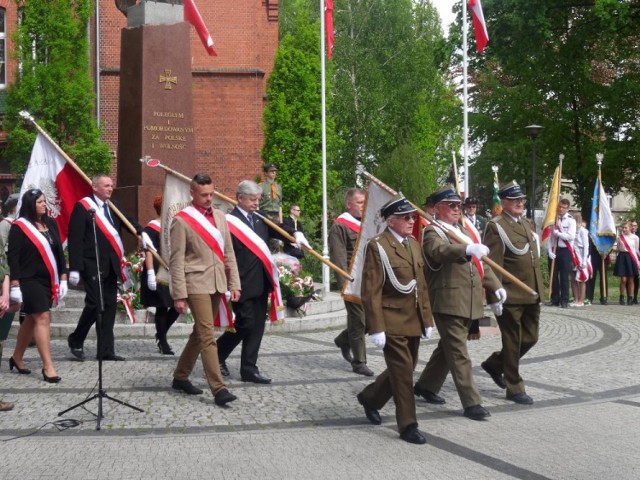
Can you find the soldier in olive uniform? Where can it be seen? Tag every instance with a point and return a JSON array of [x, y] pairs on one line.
[[456, 278], [515, 247], [271, 200], [396, 305]]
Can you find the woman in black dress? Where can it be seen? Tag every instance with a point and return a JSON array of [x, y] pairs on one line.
[[153, 294], [38, 278]]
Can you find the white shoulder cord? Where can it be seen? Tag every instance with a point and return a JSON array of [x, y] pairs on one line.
[[388, 272], [507, 242]]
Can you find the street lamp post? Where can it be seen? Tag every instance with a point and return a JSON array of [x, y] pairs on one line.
[[533, 131]]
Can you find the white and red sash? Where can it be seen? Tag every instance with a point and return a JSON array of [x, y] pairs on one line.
[[630, 251], [9, 220], [215, 241], [349, 221], [259, 248], [154, 225], [112, 236], [44, 248], [475, 236]]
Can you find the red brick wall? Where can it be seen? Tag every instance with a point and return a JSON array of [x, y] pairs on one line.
[[228, 90]]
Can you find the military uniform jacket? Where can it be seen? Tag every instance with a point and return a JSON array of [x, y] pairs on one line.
[[342, 242], [386, 309], [525, 266], [455, 285]]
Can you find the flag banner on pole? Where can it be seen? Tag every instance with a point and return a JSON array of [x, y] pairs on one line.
[[496, 204], [479, 25], [328, 26], [602, 227], [60, 183], [192, 15], [372, 224], [551, 212]]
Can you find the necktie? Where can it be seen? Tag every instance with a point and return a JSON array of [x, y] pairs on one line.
[[106, 212], [251, 222], [274, 191], [405, 242]]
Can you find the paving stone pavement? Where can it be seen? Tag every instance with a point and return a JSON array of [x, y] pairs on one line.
[[584, 375]]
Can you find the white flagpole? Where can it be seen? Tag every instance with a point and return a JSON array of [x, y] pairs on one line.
[[465, 101], [325, 233]]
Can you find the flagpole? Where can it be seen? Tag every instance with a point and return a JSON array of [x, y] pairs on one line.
[[497, 268], [603, 273], [465, 100], [326, 280], [555, 244], [266, 220]]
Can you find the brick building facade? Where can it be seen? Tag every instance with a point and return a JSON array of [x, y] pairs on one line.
[[228, 90]]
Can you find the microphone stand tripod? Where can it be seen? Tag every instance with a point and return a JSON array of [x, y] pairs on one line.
[[101, 393]]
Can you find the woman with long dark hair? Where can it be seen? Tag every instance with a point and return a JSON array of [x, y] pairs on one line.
[[38, 278], [153, 294]]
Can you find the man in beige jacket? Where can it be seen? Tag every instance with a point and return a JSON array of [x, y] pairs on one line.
[[203, 268]]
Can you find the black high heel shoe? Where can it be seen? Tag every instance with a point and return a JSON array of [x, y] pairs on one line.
[[23, 371], [55, 379], [164, 346]]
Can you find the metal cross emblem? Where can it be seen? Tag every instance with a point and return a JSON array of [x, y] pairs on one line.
[[167, 79]]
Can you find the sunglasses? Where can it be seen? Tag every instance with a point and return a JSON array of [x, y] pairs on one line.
[[454, 205]]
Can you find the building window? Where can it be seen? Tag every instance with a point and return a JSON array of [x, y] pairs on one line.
[[3, 48]]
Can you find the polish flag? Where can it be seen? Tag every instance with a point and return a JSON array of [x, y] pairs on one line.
[[192, 15], [479, 26], [61, 184], [328, 26]]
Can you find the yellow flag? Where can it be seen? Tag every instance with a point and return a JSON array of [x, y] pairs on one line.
[[551, 212]]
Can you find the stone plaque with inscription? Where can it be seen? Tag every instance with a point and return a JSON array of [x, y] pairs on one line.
[[155, 112]]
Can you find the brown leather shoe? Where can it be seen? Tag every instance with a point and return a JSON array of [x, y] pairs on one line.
[[363, 370], [6, 406]]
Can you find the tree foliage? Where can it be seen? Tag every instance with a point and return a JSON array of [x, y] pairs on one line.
[[54, 84], [572, 67]]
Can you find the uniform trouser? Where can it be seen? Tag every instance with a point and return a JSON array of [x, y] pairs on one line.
[[596, 265], [251, 316], [92, 308], [401, 357], [451, 355], [354, 334], [204, 308], [561, 274], [519, 330]]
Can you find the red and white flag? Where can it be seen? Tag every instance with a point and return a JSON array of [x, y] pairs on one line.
[[328, 26], [479, 25], [192, 15], [60, 183]]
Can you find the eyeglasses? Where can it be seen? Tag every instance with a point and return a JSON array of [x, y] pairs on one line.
[[454, 205], [406, 218]]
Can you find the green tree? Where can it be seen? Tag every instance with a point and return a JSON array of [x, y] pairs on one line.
[[54, 84], [395, 110], [572, 67], [292, 118]]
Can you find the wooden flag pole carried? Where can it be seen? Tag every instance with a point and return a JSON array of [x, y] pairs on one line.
[[518, 283], [555, 243], [27, 116], [152, 162]]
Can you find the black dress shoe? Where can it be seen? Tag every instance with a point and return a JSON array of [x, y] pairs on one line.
[[604, 301], [476, 412], [345, 350], [429, 396], [112, 358], [76, 350], [186, 386], [371, 413], [413, 435], [363, 370], [223, 397], [564, 305], [224, 370], [256, 378], [498, 378], [48, 379], [552, 304], [521, 398]]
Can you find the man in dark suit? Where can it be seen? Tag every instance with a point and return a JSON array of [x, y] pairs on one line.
[[515, 247], [82, 264], [293, 221], [396, 305], [456, 278], [471, 212], [256, 279]]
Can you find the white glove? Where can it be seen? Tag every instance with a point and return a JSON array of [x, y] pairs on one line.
[[15, 295], [151, 280], [501, 295], [496, 308], [379, 339], [147, 244], [535, 236], [428, 332], [74, 278], [301, 240], [552, 255], [477, 250], [63, 289]]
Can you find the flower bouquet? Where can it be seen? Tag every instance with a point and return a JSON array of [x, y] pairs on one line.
[[296, 291]]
